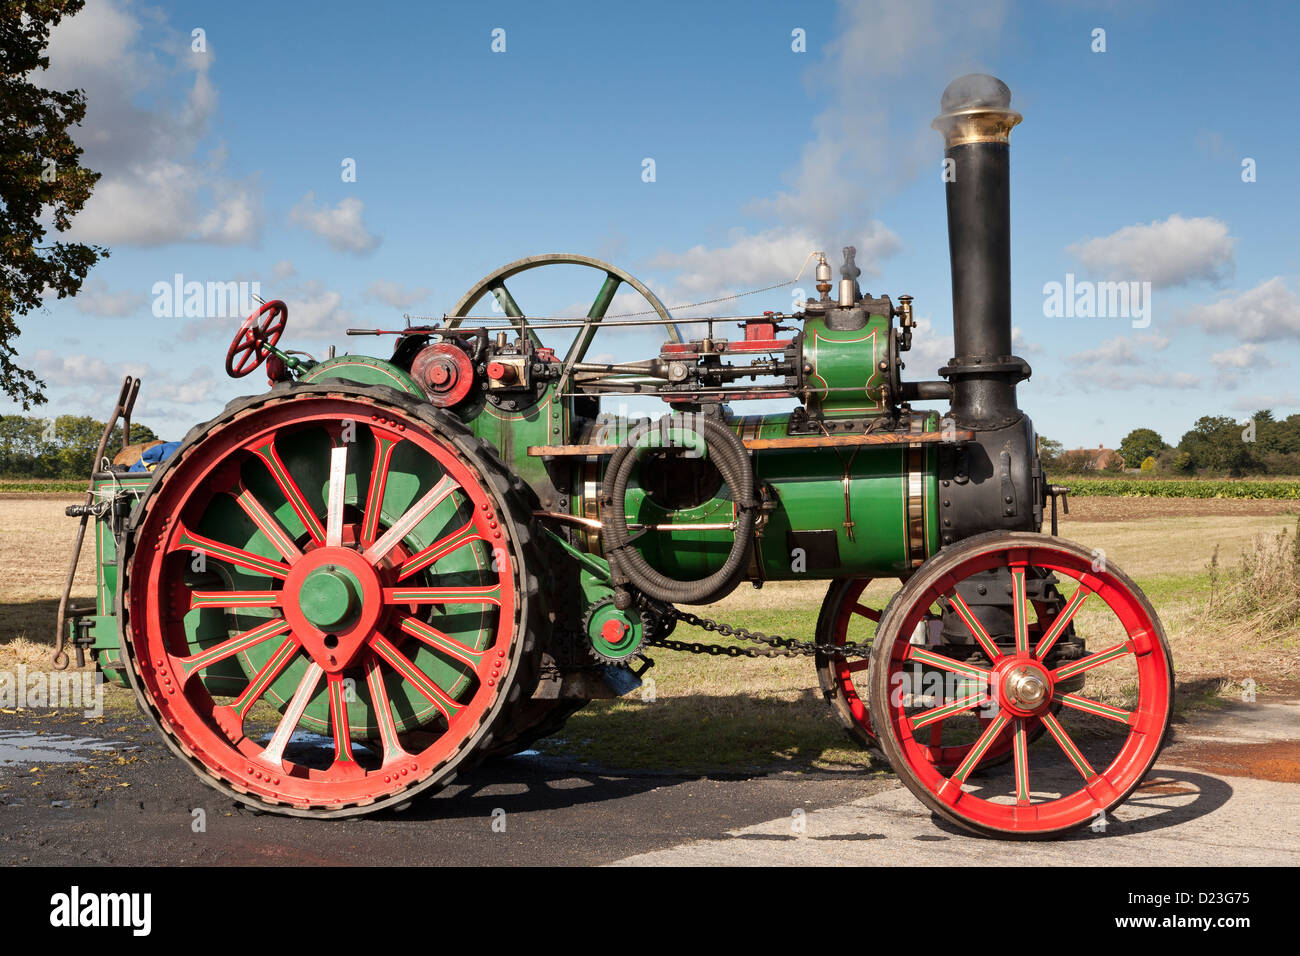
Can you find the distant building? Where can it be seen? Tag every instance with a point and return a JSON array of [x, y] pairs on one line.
[[1092, 459]]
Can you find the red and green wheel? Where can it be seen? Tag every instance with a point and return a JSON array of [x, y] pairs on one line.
[[327, 602], [848, 617], [1096, 744]]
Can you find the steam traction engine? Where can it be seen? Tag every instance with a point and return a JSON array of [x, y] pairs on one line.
[[341, 592]]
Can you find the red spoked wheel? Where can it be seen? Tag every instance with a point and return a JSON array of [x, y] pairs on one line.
[[328, 601], [1098, 744], [248, 348], [846, 617]]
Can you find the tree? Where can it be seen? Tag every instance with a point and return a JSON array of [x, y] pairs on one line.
[[1074, 462], [41, 180], [63, 447], [1139, 445], [1049, 452], [1216, 443]]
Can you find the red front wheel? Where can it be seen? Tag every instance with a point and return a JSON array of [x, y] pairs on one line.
[[263, 328], [1099, 741], [847, 616]]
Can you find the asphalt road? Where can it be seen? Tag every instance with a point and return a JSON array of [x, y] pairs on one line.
[[1226, 792]]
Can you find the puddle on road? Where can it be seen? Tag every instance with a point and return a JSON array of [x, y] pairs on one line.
[[19, 747]]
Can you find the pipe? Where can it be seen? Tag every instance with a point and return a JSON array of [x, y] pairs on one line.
[[976, 123]]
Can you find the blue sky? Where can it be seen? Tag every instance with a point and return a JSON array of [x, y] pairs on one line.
[[225, 165]]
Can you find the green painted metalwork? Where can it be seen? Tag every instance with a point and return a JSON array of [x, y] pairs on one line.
[[614, 633], [846, 378], [330, 596], [364, 370], [105, 646], [859, 495], [511, 432]]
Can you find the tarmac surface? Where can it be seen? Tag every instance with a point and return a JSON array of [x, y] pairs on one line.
[[1226, 792]]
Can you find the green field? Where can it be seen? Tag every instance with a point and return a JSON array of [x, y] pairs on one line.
[[1088, 486], [48, 486]]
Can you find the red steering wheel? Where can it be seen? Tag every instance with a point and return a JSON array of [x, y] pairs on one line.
[[248, 349]]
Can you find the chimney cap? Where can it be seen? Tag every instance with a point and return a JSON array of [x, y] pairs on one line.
[[975, 91]]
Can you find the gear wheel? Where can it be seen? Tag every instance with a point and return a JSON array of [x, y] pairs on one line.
[[613, 636]]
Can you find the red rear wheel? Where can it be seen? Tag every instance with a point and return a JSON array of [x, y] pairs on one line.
[[1098, 745], [848, 617], [327, 602]]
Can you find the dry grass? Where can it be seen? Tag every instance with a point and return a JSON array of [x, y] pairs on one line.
[[35, 547]]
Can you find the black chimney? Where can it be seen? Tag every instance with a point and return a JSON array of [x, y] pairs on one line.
[[976, 121]]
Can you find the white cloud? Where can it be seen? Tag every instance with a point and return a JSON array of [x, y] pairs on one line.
[[1278, 402], [1268, 312], [1022, 346], [317, 313], [284, 269], [930, 351], [96, 299], [1124, 350], [884, 68], [394, 294], [1125, 363], [157, 187], [340, 225], [58, 369], [1171, 252], [1242, 357], [753, 260]]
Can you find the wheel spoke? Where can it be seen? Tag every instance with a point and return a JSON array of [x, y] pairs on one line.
[[1068, 746], [1097, 708], [264, 677], [266, 522], [1020, 748], [976, 628], [440, 641], [339, 720], [979, 749], [870, 613], [945, 663], [414, 676], [289, 488], [274, 752], [334, 502], [506, 300], [1062, 621], [599, 306], [1075, 668], [413, 516], [384, 445], [187, 540], [1019, 611], [189, 666], [928, 717], [858, 664], [204, 599], [439, 549], [480, 594], [382, 707]]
